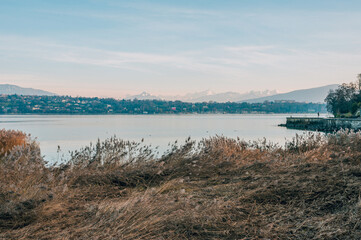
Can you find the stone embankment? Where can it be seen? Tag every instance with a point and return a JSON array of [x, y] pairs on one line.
[[322, 124]]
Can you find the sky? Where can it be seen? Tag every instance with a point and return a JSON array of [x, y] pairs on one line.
[[112, 48]]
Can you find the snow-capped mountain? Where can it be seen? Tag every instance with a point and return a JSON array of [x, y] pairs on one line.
[[206, 96]]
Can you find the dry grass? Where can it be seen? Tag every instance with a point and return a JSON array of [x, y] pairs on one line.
[[217, 189], [10, 139]]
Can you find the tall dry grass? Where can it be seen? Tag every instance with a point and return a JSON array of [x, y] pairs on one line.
[[218, 188], [10, 139]]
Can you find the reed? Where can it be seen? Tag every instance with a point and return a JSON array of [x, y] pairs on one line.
[[218, 188], [10, 139]]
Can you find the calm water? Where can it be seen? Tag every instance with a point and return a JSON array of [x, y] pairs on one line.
[[74, 132]]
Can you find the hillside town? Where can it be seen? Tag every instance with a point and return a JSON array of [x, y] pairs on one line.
[[18, 104]]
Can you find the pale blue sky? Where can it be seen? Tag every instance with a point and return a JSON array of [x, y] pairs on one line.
[[113, 48]]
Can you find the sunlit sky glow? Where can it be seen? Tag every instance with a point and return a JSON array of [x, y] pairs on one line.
[[113, 48]]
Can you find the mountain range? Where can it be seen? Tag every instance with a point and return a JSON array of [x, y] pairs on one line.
[[206, 96], [9, 89], [316, 95]]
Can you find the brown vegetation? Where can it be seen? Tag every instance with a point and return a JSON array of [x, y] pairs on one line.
[[10, 139], [217, 189]]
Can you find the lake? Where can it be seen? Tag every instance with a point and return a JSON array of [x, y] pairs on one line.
[[72, 132]]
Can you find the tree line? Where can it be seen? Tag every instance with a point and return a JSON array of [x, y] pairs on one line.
[[345, 101], [17, 104]]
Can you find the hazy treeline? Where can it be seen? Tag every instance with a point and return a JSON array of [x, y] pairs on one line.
[[16, 104]]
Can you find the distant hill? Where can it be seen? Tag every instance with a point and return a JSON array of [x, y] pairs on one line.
[[315, 95], [9, 89], [208, 96], [205, 96], [143, 96]]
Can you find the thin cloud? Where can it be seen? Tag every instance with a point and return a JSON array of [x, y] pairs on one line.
[[224, 62]]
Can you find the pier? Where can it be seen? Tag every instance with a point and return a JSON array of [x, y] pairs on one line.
[[322, 124]]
